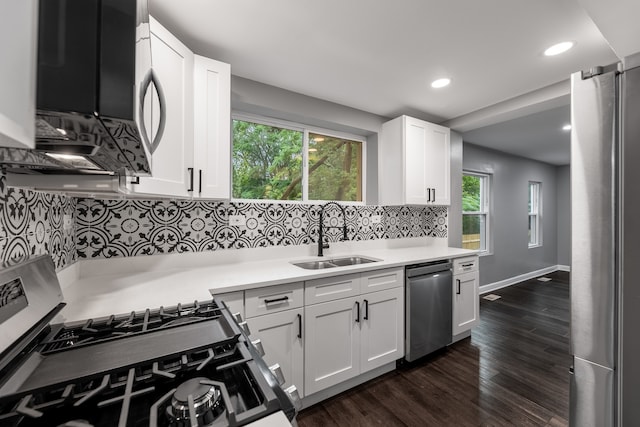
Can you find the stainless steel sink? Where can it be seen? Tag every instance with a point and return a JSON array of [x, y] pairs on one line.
[[315, 265], [336, 262], [352, 260]]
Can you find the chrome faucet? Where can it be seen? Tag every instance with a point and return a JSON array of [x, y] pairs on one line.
[[321, 244]]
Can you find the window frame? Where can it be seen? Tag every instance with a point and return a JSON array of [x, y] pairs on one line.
[[485, 204], [306, 130], [534, 209]]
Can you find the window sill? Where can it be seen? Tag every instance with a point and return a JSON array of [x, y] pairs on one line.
[[535, 246]]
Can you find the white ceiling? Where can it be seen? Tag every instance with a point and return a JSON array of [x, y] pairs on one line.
[[380, 56], [538, 136]]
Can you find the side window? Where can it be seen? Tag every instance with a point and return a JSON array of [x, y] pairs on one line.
[[475, 211], [535, 213]]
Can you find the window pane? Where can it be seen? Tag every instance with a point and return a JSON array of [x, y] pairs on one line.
[[533, 234], [471, 193], [266, 162], [335, 168], [474, 232]]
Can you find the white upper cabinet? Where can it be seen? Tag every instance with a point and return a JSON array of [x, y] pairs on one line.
[[193, 156], [172, 161], [212, 124], [414, 163], [19, 32]]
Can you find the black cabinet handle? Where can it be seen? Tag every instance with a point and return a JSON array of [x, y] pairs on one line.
[[434, 195], [366, 310], [270, 301], [468, 265], [190, 179], [300, 326], [199, 181], [428, 194], [358, 311], [458, 283]]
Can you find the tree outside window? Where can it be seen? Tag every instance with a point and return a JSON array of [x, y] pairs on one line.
[[271, 162], [475, 211]]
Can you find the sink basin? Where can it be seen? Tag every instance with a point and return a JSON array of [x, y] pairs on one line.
[[336, 262], [353, 260], [314, 265]]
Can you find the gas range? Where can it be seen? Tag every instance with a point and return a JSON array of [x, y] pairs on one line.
[[181, 366]]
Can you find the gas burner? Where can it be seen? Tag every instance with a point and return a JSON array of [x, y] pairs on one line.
[[195, 399]]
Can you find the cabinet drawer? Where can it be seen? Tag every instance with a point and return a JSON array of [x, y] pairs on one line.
[[380, 280], [273, 299], [465, 265], [331, 288], [233, 300]]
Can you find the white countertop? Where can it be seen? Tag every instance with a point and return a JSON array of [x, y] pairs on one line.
[[115, 286]]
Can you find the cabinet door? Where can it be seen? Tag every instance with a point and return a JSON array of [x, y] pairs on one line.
[[19, 32], [282, 340], [382, 333], [173, 65], [332, 353], [438, 164], [427, 161], [416, 162], [212, 127], [466, 302]]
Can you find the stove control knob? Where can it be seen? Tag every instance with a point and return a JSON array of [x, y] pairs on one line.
[[238, 317], [258, 345], [292, 391], [277, 372], [245, 327]]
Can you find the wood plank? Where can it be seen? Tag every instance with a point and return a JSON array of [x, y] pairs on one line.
[[513, 370]]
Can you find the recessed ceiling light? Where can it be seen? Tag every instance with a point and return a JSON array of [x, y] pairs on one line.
[[559, 48], [318, 139], [566, 127], [440, 83]]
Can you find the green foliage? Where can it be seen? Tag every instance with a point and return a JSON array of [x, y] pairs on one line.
[[470, 193], [334, 168], [267, 164], [266, 161], [470, 203]]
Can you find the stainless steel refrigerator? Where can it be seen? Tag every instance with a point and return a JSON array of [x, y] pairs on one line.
[[605, 264]]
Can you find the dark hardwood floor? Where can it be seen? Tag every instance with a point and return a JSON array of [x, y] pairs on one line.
[[513, 371]]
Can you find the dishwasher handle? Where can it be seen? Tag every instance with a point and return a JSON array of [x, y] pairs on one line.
[[422, 270]]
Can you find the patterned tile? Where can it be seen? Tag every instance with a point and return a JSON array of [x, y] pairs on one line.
[[33, 223]]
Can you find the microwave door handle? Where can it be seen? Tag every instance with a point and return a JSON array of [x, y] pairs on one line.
[[142, 95], [149, 78], [163, 111]]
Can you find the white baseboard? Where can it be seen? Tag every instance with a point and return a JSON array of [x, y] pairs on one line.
[[521, 278]]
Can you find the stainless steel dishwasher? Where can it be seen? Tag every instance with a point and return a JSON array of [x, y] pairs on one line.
[[428, 305]]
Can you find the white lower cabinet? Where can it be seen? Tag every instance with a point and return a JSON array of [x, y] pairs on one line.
[[332, 347], [466, 300], [282, 339], [382, 328], [349, 336], [326, 331]]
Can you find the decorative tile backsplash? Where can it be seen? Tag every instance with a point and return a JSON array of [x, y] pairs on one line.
[[116, 228], [32, 223]]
